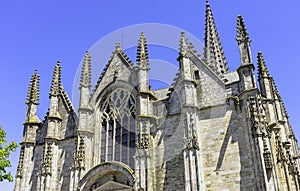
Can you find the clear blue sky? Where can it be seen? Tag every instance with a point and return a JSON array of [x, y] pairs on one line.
[[34, 34]]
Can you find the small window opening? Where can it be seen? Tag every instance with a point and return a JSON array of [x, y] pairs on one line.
[[197, 76]]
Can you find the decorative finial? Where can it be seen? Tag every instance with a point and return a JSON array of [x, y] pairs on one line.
[[183, 45], [56, 80], [192, 48], [85, 80], [142, 57], [242, 34], [33, 90], [118, 46]]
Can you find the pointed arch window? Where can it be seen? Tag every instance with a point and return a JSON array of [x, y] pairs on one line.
[[118, 125]]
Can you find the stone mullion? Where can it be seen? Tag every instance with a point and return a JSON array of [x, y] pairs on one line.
[[100, 138], [121, 140], [106, 139], [97, 145], [114, 139], [128, 140]]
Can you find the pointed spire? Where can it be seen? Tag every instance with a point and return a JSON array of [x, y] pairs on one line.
[[213, 51], [142, 57], [33, 90], [244, 41], [56, 81], [85, 80], [183, 45], [242, 34], [262, 68]]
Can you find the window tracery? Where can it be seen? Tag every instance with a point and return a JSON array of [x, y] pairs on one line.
[[118, 127]]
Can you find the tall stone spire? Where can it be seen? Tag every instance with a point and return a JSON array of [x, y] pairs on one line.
[[244, 41], [85, 80], [33, 90], [262, 68], [56, 80], [142, 57], [213, 50]]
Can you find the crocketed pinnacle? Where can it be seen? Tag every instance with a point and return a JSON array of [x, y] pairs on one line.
[[56, 80], [85, 80], [242, 34], [262, 68], [213, 50], [142, 57], [183, 45], [33, 90]]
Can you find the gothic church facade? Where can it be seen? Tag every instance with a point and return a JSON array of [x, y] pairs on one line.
[[212, 129]]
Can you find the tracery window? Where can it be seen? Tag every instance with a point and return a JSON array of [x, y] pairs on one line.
[[118, 127]]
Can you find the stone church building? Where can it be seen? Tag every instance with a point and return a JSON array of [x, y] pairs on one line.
[[212, 129]]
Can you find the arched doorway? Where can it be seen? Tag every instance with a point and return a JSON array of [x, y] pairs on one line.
[[108, 176]]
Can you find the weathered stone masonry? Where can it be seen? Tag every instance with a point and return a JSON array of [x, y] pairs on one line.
[[212, 129]]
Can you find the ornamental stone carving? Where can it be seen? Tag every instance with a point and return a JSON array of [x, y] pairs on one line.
[[47, 161], [142, 141]]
